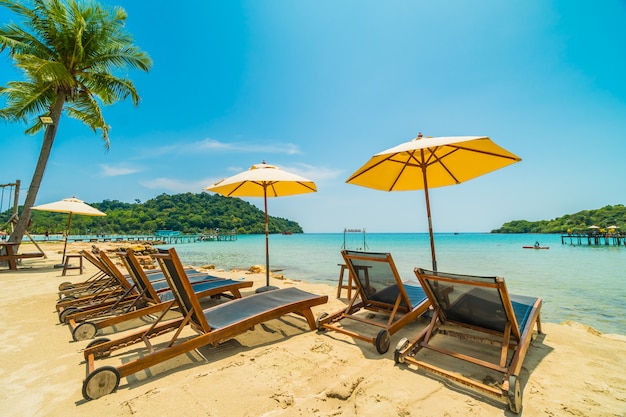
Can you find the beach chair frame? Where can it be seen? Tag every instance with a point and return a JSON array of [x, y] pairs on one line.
[[105, 298], [488, 319], [149, 301], [100, 281], [104, 380], [400, 306]]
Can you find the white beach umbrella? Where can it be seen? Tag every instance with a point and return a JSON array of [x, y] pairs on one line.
[[263, 180], [71, 206]]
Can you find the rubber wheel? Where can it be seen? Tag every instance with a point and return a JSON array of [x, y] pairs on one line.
[[63, 314], [84, 331], [67, 297], [98, 342], [515, 394], [383, 339], [397, 354], [65, 286], [150, 318], [101, 382], [318, 324]]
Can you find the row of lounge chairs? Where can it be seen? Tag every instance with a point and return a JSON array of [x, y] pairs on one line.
[[474, 309]]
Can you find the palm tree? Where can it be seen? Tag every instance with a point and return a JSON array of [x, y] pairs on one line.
[[66, 50]]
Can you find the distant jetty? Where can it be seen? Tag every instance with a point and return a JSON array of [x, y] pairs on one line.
[[594, 239], [161, 237]]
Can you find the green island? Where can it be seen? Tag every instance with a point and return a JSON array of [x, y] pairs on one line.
[[203, 212], [579, 222], [186, 213]]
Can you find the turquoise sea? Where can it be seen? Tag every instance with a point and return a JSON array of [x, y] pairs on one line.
[[584, 283]]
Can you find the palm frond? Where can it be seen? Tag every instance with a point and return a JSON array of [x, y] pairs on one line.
[[69, 47], [86, 109]]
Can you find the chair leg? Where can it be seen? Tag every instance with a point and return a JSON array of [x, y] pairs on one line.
[[340, 284]]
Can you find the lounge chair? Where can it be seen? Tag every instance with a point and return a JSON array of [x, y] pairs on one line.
[[115, 293], [214, 325], [379, 289], [479, 310], [98, 280], [102, 279], [84, 324]]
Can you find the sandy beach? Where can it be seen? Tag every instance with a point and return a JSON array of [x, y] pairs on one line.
[[280, 368]]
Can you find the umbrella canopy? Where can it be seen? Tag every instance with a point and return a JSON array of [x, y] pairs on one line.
[[71, 206], [424, 163], [613, 227], [263, 180]]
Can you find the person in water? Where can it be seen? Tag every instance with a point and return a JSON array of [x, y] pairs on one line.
[[536, 244]]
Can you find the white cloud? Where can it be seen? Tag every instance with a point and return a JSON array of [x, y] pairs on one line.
[[211, 145], [315, 173], [111, 171]]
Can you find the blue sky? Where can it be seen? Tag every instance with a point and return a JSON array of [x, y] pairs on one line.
[[317, 88]]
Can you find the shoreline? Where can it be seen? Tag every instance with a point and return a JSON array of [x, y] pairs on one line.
[[571, 369]]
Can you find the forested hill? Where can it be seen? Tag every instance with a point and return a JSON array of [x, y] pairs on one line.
[[577, 223], [186, 213]]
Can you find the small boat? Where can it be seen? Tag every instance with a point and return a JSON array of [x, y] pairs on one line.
[[536, 247]]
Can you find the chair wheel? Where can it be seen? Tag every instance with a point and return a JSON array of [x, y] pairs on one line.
[[84, 331], [318, 322], [383, 340], [515, 394], [63, 314], [97, 342], [101, 382], [397, 354]]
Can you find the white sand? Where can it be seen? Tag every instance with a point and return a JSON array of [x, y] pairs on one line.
[[280, 368]]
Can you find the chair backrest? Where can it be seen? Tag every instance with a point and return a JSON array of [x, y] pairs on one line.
[[377, 278], [137, 274], [95, 261], [181, 288], [478, 301], [111, 269]]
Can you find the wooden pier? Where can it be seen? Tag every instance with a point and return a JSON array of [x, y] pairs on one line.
[[157, 239], [597, 239]]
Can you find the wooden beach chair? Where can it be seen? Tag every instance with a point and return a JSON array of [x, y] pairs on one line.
[[213, 325], [119, 293], [99, 281], [102, 280], [152, 297], [380, 289], [72, 288], [481, 312]]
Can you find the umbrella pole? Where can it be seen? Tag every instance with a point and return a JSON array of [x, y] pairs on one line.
[[430, 222], [267, 241], [267, 287], [67, 235]]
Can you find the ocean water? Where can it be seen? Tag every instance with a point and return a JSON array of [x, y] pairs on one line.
[[584, 283]]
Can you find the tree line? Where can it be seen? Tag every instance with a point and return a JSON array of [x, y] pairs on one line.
[[186, 213], [575, 223]]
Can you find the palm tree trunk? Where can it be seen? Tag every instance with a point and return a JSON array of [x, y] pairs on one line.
[[44, 154]]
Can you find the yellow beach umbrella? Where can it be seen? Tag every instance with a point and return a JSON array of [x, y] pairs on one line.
[[71, 206], [263, 180], [424, 163]]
